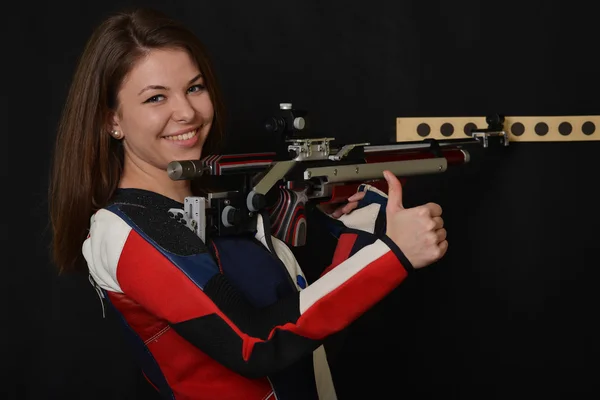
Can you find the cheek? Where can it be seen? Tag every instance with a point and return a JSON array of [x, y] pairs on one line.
[[144, 123], [210, 109], [204, 106], [205, 135]]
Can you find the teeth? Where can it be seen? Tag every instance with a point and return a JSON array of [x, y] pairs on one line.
[[184, 136]]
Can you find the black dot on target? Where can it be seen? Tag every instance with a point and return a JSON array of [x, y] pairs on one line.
[[588, 128], [423, 129], [468, 129], [541, 128], [565, 128], [517, 129], [447, 129]]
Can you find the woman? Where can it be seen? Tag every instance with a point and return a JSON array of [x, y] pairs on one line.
[[211, 320]]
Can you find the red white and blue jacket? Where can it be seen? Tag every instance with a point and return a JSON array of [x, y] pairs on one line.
[[229, 319]]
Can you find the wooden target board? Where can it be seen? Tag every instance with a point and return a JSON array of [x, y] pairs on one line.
[[519, 129]]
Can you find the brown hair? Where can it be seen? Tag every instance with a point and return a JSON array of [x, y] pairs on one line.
[[87, 161]]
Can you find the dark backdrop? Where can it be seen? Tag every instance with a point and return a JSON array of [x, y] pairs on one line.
[[510, 311]]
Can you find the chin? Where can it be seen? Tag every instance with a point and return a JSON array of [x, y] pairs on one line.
[[188, 155], [182, 149]]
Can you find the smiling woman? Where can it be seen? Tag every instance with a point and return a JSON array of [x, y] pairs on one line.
[[233, 317], [110, 129]]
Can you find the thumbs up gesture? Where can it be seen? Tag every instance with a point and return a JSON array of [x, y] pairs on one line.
[[419, 232]]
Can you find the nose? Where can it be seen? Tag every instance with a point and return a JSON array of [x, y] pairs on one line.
[[183, 110]]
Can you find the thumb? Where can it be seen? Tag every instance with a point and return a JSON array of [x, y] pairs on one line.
[[394, 192]]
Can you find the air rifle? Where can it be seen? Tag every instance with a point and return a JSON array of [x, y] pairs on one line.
[[303, 170]]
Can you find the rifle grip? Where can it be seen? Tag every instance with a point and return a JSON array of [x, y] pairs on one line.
[[288, 217]]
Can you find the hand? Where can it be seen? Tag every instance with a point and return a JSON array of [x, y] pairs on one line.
[[419, 232], [336, 210]]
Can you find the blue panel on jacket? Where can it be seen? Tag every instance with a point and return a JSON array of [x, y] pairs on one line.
[[252, 269]]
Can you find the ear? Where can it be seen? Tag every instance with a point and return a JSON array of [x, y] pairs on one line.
[[113, 124]]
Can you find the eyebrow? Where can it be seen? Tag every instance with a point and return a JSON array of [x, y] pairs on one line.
[[159, 87]]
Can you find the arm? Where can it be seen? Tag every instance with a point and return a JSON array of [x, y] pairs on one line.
[[188, 291], [356, 229]]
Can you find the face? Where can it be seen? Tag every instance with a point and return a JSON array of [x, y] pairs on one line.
[[165, 111]]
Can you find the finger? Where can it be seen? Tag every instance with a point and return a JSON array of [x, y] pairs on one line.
[[357, 196], [394, 202], [441, 235], [346, 209], [443, 247], [438, 223], [350, 206], [435, 210], [337, 213]]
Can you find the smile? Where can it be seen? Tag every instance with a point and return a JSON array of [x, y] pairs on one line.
[[183, 136]]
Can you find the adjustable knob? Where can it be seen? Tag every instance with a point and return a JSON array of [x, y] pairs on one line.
[[299, 123], [255, 201], [230, 216]]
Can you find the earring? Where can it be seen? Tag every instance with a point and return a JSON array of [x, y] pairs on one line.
[[116, 134]]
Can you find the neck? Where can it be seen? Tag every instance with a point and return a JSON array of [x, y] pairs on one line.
[[147, 177]]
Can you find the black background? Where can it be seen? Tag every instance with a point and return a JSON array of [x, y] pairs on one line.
[[509, 313]]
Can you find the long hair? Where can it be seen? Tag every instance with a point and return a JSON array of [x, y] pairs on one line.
[[88, 162]]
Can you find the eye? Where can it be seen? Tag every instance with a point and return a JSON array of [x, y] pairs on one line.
[[196, 88], [154, 99]]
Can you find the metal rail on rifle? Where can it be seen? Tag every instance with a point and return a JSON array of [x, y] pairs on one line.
[[236, 188]]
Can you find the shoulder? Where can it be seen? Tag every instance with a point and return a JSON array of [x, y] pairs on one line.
[[154, 225], [133, 229], [102, 248]]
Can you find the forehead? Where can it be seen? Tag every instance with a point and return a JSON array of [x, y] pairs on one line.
[[167, 67]]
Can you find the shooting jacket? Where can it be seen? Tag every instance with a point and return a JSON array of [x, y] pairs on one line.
[[230, 319]]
